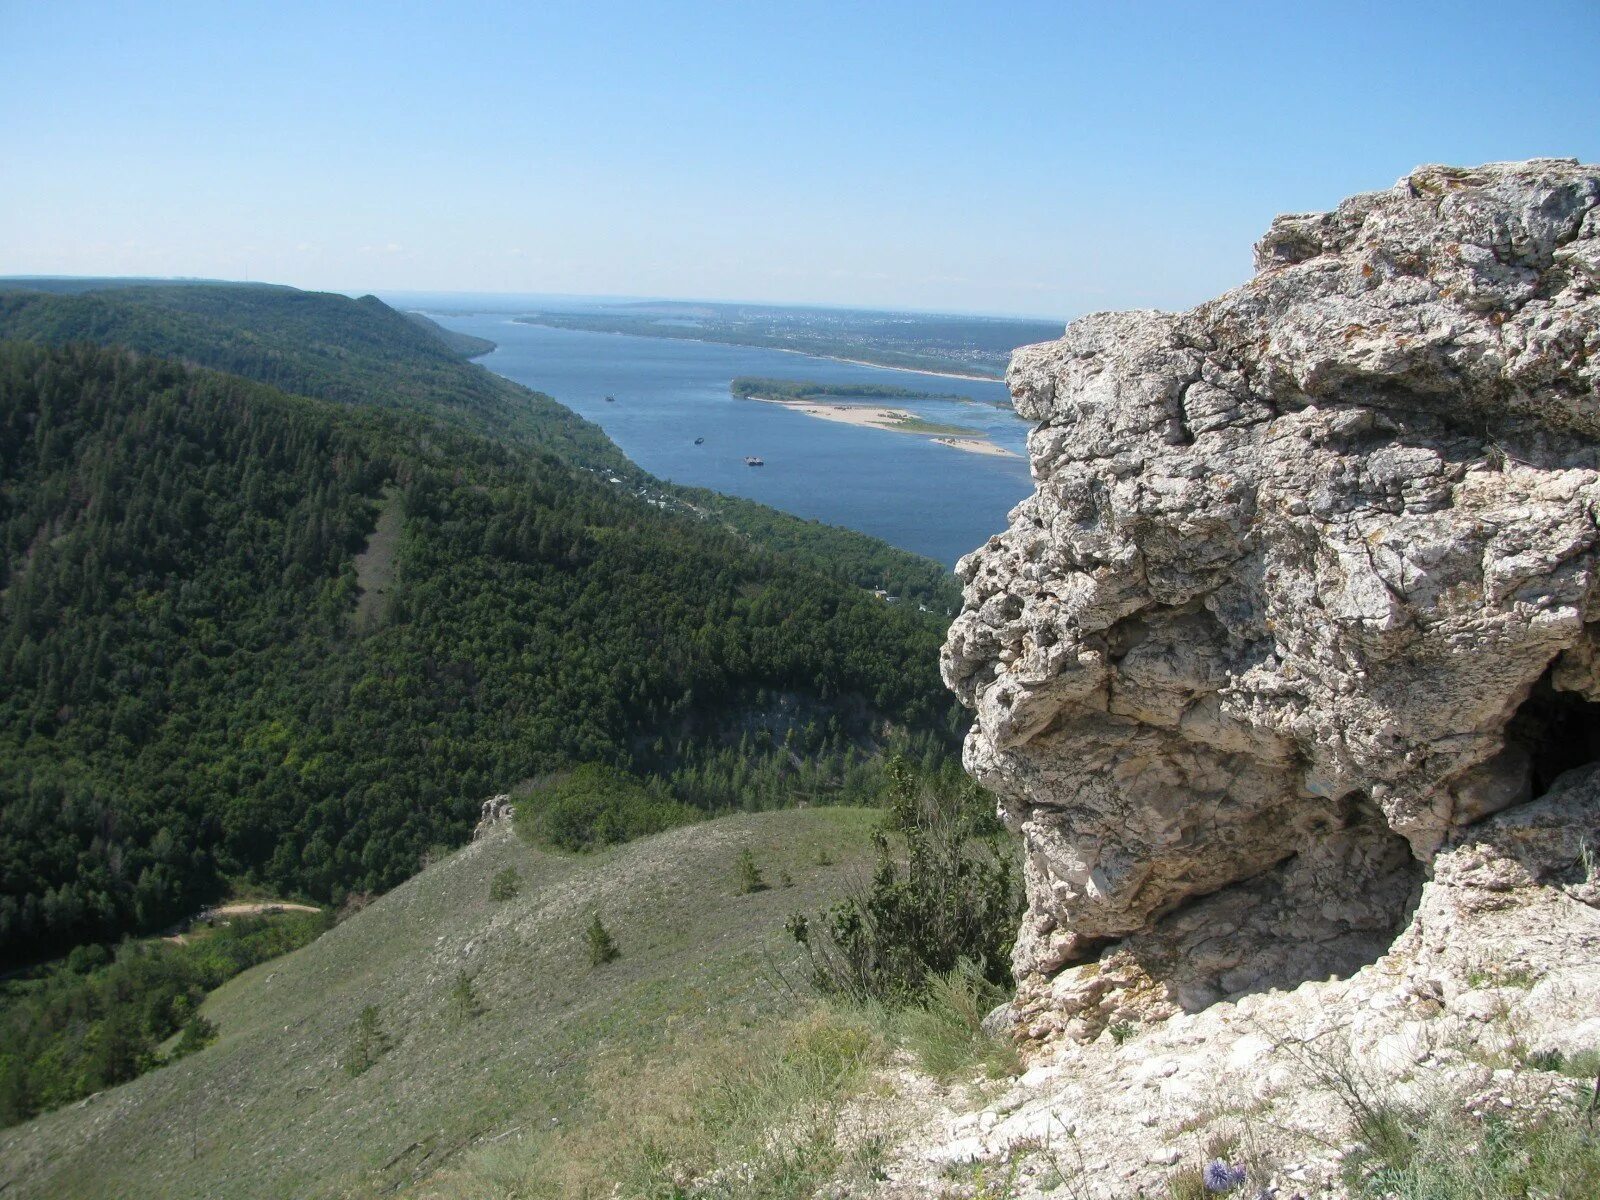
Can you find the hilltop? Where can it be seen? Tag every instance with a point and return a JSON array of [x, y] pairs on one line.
[[465, 345]]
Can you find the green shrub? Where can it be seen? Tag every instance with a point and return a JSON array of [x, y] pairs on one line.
[[506, 885], [1187, 1183], [93, 1021], [1544, 1060], [1585, 1064], [944, 891], [595, 806], [602, 946], [84, 959], [198, 1033]]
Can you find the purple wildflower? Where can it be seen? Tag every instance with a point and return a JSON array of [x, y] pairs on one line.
[[1221, 1177]]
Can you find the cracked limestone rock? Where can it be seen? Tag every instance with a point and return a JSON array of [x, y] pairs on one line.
[[1500, 964], [1308, 583], [493, 811]]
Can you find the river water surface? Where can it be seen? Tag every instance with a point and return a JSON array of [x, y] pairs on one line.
[[905, 489]]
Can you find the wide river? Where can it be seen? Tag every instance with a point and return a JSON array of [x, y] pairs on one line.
[[903, 488]]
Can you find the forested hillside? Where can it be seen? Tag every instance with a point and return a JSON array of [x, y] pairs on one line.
[[199, 686], [465, 345], [362, 352], [311, 344]]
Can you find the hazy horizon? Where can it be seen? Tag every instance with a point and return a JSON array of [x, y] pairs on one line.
[[532, 299], [1036, 159]]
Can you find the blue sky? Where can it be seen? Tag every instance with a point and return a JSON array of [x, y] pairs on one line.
[[1049, 158]]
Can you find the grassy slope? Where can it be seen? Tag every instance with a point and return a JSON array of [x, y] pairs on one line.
[[267, 1111]]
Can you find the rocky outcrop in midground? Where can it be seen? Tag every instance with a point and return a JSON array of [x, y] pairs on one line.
[[1305, 596]]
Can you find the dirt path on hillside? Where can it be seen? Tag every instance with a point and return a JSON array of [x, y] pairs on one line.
[[243, 908], [255, 907]]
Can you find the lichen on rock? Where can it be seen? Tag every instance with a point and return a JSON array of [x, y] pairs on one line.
[[1307, 585]]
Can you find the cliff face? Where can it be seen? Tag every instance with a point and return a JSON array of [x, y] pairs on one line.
[[1306, 592]]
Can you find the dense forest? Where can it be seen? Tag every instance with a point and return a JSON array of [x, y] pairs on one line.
[[843, 553], [219, 669]]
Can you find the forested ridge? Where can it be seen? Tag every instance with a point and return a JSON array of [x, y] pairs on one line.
[[842, 553], [463, 345], [976, 347], [189, 700], [359, 352]]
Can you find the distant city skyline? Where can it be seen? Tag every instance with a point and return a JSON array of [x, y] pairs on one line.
[[1039, 159]]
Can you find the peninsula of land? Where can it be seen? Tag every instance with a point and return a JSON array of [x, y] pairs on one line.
[[844, 403], [760, 387]]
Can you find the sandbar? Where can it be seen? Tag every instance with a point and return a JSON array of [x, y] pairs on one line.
[[977, 446], [896, 420]]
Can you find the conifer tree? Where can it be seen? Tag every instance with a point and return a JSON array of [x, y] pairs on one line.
[[368, 1042], [464, 1004], [602, 946], [750, 879]]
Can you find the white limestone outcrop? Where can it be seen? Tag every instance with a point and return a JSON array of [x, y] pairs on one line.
[[1307, 587]]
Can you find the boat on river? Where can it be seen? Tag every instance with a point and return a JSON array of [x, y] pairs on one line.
[[750, 460]]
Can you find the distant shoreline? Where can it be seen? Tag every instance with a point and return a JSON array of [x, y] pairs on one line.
[[706, 341]]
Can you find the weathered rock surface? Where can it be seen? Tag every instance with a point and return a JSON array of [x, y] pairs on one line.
[[1498, 970], [1289, 677], [1307, 586], [491, 813]]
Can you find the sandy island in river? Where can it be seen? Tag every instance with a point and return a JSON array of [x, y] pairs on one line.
[[977, 445], [896, 420]]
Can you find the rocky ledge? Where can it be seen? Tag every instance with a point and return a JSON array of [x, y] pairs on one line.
[[1292, 661]]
